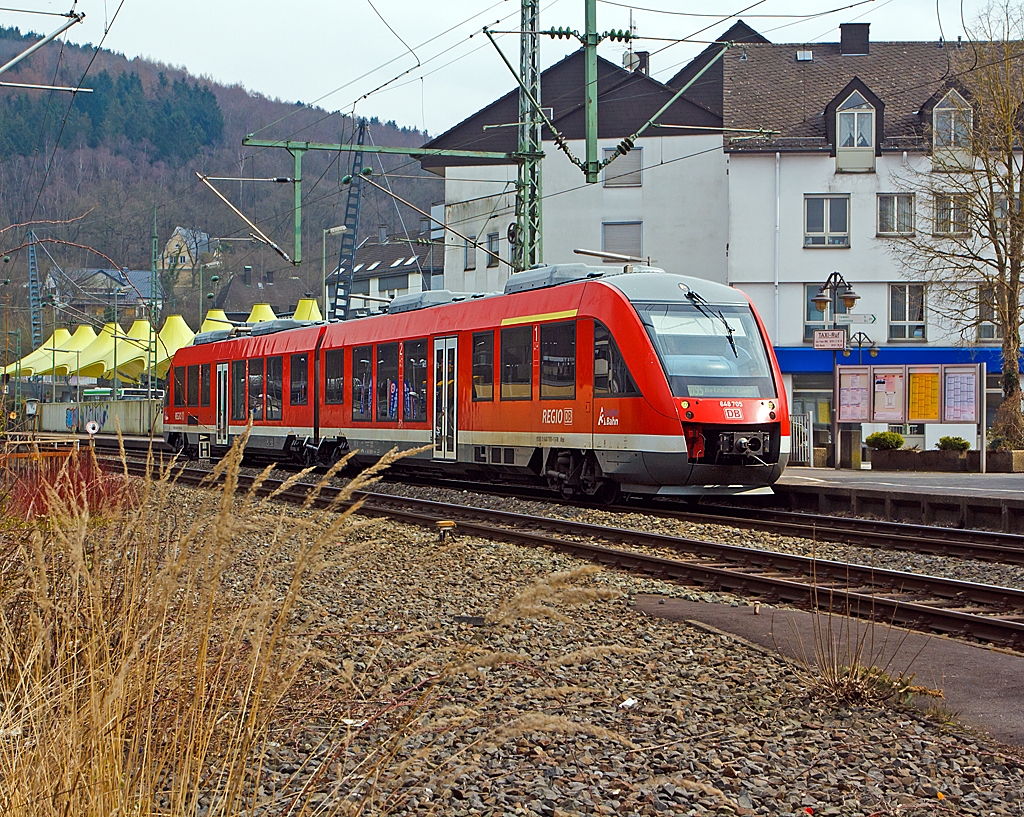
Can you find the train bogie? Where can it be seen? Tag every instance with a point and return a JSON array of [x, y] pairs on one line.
[[583, 379]]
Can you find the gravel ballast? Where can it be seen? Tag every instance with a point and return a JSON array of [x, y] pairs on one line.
[[590, 709]]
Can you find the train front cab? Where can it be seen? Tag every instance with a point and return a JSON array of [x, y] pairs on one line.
[[726, 405]]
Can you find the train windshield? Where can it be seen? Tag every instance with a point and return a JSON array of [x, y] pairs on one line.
[[709, 351]]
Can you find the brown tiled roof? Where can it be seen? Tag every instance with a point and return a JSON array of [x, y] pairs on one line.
[[771, 89], [625, 101], [393, 258], [707, 91]]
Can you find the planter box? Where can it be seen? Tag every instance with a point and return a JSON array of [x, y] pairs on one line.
[[997, 462]]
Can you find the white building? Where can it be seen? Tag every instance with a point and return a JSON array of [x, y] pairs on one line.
[[665, 200], [829, 194]]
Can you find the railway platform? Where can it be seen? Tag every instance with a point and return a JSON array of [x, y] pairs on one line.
[[981, 686], [960, 500]]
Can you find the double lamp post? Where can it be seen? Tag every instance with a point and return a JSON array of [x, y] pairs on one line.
[[830, 293]]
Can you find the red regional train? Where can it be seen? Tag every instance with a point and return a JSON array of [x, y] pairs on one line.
[[587, 379]]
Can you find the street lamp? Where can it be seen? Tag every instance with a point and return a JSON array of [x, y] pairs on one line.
[[830, 293], [860, 340], [341, 228]]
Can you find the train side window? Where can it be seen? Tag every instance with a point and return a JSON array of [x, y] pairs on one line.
[[517, 363], [238, 390], [275, 387], [362, 383], [204, 385], [387, 383], [483, 366], [558, 361], [298, 380], [179, 386], [256, 388], [334, 376], [193, 385], [415, 376], [611, 375]]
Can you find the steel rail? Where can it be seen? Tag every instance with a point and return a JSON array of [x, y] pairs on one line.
[[984, 612]]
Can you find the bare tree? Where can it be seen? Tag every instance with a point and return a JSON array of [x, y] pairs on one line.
[[968, 245]]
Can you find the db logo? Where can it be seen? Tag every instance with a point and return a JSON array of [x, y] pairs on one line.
[[734, 414]]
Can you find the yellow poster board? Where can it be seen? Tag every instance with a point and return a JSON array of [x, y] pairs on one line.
[[924, 394]]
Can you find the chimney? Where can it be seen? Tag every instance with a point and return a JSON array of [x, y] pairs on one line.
[[382, 233], [644, 62], [853, 39]]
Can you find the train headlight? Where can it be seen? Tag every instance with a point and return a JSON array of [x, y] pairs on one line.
[[771, 405], [771, 415], [689, 415], [685, 404]]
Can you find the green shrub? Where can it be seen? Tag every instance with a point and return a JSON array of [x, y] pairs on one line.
[[952, 444], [885, 440]]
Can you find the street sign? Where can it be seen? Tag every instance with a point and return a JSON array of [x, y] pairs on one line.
[[848, 319], [830, 339]]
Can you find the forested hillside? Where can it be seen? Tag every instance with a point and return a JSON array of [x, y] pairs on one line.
[[103, 161]]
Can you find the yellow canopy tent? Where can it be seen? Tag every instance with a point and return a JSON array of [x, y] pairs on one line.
[[131, 352], [215, 319], [34, 361], [308, 310], [65, 362], [92, 356], [261, 313], [175, 334]]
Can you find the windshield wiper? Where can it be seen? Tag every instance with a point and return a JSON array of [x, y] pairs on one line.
[[708, 311]]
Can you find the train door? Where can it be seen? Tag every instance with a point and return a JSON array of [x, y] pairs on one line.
[[222, 404], [445, 397]]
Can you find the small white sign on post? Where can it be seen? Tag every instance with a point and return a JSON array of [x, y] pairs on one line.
[[830, 339]]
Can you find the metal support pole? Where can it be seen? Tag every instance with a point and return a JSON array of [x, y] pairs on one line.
[[590, 41], [154, 285], [528, 250], [297, 185], [982, 454]]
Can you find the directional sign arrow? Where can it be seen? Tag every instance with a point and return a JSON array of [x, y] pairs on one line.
[[844, 320]]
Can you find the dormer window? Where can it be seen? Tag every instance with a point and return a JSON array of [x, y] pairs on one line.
[[951, 123], [855, 135]]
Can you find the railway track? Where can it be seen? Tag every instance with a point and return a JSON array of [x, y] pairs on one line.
[[982, 612]]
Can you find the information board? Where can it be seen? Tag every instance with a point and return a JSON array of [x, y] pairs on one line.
[[889, 398], [834, 339], [960, 404], [854, 394], [923, 394]]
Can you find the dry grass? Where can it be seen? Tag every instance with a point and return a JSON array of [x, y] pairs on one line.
[[151, 655]]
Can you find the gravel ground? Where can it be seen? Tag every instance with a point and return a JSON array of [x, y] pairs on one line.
[[969, 570], [586, 706]]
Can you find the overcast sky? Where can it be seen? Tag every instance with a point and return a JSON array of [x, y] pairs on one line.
[[333, 53]]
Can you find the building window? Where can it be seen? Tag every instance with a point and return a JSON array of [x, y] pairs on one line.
[[826, 221], [483, 366], [181, 259], [517, 363], [558, 361], [895, 214], [813, 319], [906, 312], [611, 375], [623, 238], [256, 389], [856, 123], [392, 284], [298, 380], [492, 249], [951, 214], [988, 327], [362, 383], [624, 171], [238, 390], [334, 376], [469, 260], [952, 120], [415, 376]]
